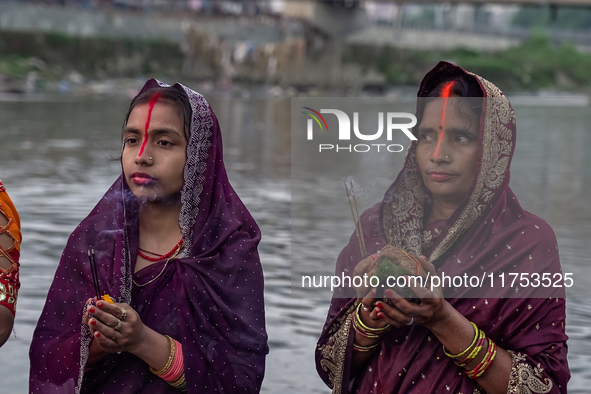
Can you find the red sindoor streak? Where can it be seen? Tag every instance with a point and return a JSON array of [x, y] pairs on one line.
[[445, 94], [153, 100]]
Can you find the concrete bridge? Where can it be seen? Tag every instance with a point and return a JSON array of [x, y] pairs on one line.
[[515, 2]]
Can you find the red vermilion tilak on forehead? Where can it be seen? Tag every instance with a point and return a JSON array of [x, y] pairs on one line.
[[445, 93], [153, 100]]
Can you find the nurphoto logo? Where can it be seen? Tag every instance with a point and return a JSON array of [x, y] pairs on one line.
[[344, 130]]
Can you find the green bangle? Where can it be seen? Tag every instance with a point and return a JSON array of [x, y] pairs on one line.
[[476, 336]]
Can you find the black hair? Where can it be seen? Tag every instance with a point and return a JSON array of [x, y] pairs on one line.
[[171, 95], [465, 86]]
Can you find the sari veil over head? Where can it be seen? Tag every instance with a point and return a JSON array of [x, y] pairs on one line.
[[210, 298], [488, 233]]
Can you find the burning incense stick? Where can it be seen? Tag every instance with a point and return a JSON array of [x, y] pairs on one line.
[[94, 273], [356, 217]]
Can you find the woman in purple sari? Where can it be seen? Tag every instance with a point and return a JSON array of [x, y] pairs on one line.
[[176, 249], [451, 205]]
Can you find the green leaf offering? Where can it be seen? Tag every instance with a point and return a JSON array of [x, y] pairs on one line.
[[388, 268]]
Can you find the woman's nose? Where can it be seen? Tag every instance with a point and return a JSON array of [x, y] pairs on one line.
[[441, 151], [143, 152], [143, 156]]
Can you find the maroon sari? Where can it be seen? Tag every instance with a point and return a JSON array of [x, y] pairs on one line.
[[488, 233], [210, 298]]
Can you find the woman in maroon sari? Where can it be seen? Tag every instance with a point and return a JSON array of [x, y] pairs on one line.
[[452, 203], [176, 249]]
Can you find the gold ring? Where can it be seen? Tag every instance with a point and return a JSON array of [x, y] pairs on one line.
[[118, 326], [123, 314], [411, 320]]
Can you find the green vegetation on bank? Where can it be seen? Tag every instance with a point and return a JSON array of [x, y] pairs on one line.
[[535, 64], [52, 54]]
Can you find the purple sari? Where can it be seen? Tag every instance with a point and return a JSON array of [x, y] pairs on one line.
[[210, 298], [488, 232]]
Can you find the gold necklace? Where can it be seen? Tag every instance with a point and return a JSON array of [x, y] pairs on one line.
[[163, 268]]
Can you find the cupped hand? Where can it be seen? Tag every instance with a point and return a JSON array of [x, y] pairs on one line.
[[365, 270], [112, 336], [431, 311], [369, 313]]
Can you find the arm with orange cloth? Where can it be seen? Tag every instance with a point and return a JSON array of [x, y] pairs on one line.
[[10, 240]]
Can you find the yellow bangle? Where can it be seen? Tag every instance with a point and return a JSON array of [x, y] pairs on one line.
[[360, 348], [479, 370], [474, 352], [476, 336], [171, 356], [366, 328]]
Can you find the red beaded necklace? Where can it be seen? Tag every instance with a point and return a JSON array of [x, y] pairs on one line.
[[159, 257]]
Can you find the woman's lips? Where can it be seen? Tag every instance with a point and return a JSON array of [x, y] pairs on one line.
[[142, 179], [440, 176]]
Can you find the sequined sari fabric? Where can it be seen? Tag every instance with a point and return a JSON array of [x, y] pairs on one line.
[[210, 298], [11, 237], [488, 233]]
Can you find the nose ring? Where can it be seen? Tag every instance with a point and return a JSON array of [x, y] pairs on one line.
[[151, 157], [447, 157]]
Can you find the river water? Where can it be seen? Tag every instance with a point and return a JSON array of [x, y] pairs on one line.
[[58, 157]]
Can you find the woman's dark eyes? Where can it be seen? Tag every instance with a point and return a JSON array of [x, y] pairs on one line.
[[426, 137], [133, 140], [464, 138]]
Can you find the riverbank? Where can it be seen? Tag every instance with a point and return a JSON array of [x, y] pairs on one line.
[[57, 63], [533, 65]]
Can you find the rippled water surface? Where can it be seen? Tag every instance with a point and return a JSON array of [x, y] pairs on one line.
[[58, 156]]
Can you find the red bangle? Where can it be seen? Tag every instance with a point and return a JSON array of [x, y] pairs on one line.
[[474, 353], [177, 367], [8, 293], [486, 361]]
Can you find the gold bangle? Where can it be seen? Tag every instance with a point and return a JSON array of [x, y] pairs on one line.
[[179, 381], [358, 329], [171, 356], [363, 326], [476, 335], [360, 348]]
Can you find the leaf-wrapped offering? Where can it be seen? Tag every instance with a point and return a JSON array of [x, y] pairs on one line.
[[393, 262]]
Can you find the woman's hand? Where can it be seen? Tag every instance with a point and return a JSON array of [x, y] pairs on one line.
[[369, 313], [6, 324], [450, 327], [365, 269], [116, 327], [367, 295], [432, 310]]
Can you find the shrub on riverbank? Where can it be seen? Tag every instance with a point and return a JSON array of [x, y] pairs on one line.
[[91, 56], [535, 64]]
